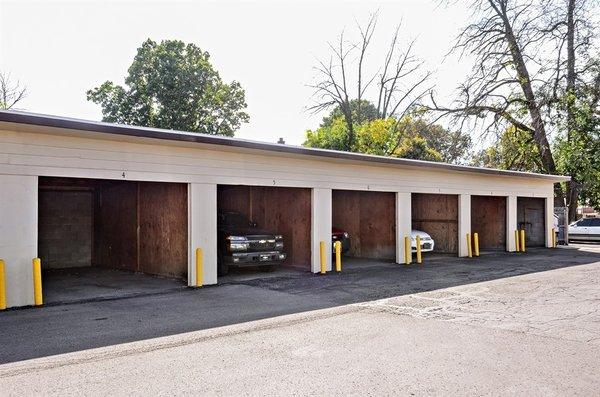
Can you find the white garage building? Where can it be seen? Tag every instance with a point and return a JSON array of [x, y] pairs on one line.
[[82, 193]]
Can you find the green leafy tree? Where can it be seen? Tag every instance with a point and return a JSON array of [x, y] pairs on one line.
[[365, 112], [173, 85], [380, 137], [408, 137], [514, 150], [577, 153]]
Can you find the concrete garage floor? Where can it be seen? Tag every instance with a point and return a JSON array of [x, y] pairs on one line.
[[85, 284]]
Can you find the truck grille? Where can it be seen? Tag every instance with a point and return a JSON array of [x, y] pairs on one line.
[[261, 243]]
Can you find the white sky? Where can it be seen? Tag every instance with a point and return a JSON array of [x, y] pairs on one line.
[[59, 50]]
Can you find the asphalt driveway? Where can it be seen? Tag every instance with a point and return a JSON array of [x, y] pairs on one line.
[[40, 332]]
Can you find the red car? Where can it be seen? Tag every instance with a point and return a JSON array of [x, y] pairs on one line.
[[340, 235]]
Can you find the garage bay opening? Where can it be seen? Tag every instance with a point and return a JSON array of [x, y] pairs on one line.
[[488, 220], [102, 239], [531, 217], [365, 223], [436, 216], [263, 229]]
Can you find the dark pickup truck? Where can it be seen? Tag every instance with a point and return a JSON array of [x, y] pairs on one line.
[[242, 243]]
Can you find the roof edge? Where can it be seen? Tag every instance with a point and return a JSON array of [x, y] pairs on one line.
[[19, 117]]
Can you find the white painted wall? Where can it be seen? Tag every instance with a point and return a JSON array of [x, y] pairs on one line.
[[511, 223], [27, 152], [464, 223], [202, 231], [321, 228], [146, 159], [403, 222], [18, 235]]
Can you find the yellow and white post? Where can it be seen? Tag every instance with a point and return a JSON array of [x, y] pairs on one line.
[[407, 251], [469, 245], [522, 242], [338, 256], [323, 257], [2, 285], [199, 267], [37, 281], [476, 243], [419, 257], [517, 245]]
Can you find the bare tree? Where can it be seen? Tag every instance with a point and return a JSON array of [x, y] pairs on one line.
[[342, 79], [10, 92], [524, 56]]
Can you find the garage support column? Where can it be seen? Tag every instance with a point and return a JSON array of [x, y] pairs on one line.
[[464, 223], [202, 225], [403, 222], [549, 213], [18, 235], [511, 223], [320, 228]]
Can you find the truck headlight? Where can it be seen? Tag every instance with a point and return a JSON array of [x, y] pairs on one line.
[[237, 243], [346, 235], [238, 246]]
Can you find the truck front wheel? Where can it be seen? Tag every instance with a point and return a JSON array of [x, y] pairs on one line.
[[222, 269]]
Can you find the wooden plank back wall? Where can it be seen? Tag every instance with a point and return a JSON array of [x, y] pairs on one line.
[[163, 228], [369, 218], [488, 219], [437, 214], [531, 217]]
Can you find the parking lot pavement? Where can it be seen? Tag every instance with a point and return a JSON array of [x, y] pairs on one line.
[[533, 331], [40, 332]]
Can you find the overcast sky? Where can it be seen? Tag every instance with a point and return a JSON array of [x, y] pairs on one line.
[[59, 50]]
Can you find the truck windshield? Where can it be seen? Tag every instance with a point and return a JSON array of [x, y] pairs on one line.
[[233, 219]]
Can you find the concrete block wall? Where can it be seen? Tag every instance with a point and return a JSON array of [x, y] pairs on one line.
[[65, 228]]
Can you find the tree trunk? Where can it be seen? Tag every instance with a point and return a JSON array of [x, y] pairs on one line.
[[539, 133], [573, 185]]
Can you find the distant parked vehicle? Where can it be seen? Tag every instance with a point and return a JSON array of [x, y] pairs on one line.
[[427, 242], [342, 236], [586, 229], [242, 243]]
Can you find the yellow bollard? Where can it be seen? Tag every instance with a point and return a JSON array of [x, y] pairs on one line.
[[419, 258], [469, 245], [553, 238], [323, 268], [338, 256], [199, 267], [476, 243], [37, 281], [517, 248], [523, 240], [2, 285], [407, 251]]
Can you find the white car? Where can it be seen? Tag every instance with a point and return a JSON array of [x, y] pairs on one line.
[[587, 229], [427, 242]]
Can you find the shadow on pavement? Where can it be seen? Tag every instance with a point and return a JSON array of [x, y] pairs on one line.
[[39, 332]]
